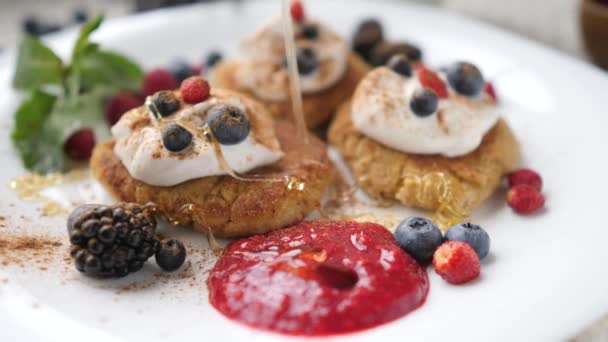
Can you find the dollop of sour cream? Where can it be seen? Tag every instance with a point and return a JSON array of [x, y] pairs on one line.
[[139, 143], [381, 110], [263, 72]]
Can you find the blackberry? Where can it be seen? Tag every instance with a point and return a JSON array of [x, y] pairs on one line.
[[112, 241], [368, 35]]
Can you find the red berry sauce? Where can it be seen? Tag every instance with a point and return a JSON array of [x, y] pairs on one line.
[[317, 278]]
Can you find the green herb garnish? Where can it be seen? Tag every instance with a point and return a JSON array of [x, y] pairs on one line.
[[64, 98]]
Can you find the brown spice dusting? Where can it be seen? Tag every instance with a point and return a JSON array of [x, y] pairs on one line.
[[20, 250]]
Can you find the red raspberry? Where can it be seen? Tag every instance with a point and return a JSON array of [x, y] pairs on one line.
[[525, 199], [297, 11], [456, 262], [490, 91], [198, 70], [157, 80], [429, 79], [79, 145], [525, 176], [195, 89], [120, 104]]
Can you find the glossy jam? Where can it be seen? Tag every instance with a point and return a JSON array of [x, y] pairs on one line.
[[317, 278]]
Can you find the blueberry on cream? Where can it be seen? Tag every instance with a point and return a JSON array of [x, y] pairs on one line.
[[408, 115], [174, 149], [165, 103]]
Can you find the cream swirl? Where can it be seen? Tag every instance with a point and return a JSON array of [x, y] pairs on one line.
[[140, 148], [262, 70], [381, 110]]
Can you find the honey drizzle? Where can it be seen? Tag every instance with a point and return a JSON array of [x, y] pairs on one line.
[[294, 75], [192, 210], [29, 188], [436, 189]]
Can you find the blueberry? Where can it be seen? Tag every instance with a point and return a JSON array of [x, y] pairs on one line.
[[181, 70], [419, 237], [367, 36], [171, 255], [472, 234], [80, 16], [229, 124], [424, 102], [166, 103], [213, 58], [466, 78], [385, 50], [176, 138], [310, 31], [308, 61], [31, 25], [400, 64]]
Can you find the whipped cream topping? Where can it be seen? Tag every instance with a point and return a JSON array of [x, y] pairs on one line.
[[381, 110], [262, 70], [139, 143]]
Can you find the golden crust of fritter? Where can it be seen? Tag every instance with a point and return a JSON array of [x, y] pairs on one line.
[[389, 174], [227, 206], [318, 107]]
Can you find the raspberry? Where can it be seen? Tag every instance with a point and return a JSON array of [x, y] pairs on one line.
[[525, 199], [490, 91], [297, 11], [525, 176], [157, 80], [120, 104], [429, 79], [195, 89], [79, 145], [456, 262]]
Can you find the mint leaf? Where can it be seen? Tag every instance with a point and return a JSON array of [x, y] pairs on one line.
[[39, 145], [36, 65], [99, 67], [82, 43]]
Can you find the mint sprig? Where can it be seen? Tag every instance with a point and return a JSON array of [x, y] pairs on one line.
[[44, 120]]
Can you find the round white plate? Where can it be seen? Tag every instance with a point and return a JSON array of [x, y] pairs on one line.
[[545, 279]]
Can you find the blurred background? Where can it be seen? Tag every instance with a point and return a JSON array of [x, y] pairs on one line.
[[558, 23]]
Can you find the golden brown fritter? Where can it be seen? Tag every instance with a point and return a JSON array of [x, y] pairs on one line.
[[421, 180], [231, 207], [318, 107]]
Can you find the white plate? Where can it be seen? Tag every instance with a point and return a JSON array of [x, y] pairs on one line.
[[545, 279]]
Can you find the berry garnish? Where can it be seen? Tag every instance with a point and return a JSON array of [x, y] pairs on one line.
[[195, 89], [181, 70], [297, 11], [229, 124], [80, 16], [367, 36], [102, 243], [176, 138], [400, 64], [489, 89], [310, 31], [307, 61], [456, 262], [424, 102], [171, 255], [213, 58], [525, 199], [384, 51], [80, 144], [166, 103], [419, 237], [525, 176], [120, 104], [429, 79], [466, 78], [472, 234], [157, 80]]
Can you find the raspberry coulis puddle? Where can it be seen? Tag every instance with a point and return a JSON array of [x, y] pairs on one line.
[[317, 278]]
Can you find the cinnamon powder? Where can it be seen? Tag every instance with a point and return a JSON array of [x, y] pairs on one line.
[[23, 250]]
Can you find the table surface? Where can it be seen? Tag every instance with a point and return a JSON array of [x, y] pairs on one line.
[[12, 13]]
